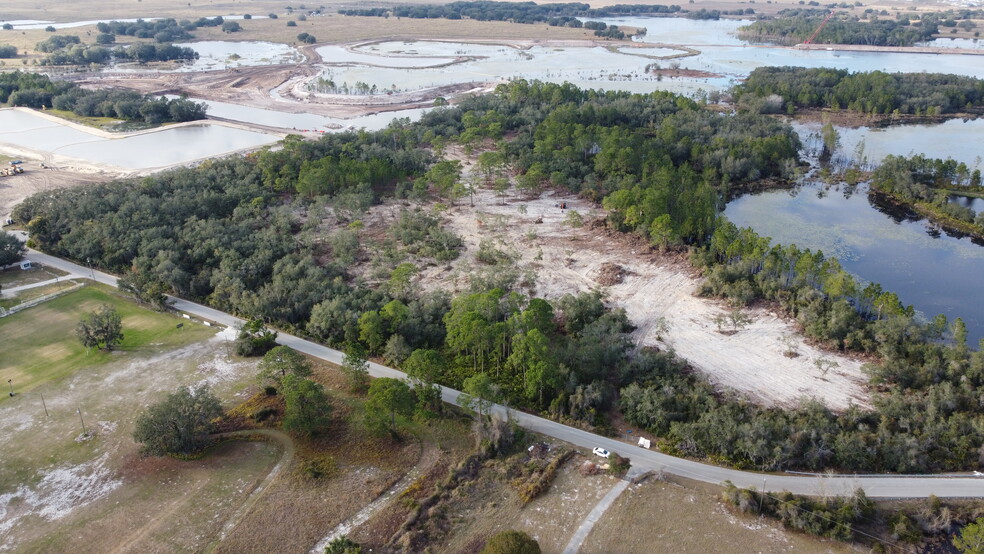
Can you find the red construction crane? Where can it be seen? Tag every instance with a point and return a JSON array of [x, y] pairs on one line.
[[817, 32]]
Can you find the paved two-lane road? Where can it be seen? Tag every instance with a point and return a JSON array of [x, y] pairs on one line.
[[887, 486]]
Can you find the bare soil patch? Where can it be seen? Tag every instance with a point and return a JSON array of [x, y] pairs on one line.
[[62, 491], [555, 259], [15, 188]]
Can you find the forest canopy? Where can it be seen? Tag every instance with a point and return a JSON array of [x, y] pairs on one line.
[[247, 235], [796, 26], [873, 92]]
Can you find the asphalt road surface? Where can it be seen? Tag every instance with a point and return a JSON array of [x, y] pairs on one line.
[[875, 486]]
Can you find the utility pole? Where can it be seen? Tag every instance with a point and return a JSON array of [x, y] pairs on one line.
[[44, 405], [91, 272], [84, 431], [11, 383], [762, 496]]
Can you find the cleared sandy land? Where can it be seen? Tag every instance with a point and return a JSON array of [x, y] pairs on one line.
[[562, 259]]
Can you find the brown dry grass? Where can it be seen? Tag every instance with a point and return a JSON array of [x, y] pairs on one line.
[[336, 28], [666, 517], [453, 443], [297, 511], [165, 504], [76, 10], [490, 505]]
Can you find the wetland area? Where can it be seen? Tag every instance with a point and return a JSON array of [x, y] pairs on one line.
[[397, 70]]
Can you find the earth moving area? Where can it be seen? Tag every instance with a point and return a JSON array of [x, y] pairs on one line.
[[657, 292]]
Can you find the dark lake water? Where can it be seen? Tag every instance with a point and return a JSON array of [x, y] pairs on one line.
[[935, 272]]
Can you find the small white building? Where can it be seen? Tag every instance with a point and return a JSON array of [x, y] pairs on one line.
[[23, 264]]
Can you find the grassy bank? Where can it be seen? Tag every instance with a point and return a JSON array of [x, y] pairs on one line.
[[40, 345]]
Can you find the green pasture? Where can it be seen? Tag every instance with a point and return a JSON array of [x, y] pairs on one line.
[[39, 344]]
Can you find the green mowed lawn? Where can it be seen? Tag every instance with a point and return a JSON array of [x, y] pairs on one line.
[[39, 344]]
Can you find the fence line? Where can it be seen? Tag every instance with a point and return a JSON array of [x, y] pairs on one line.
[[35, 301]]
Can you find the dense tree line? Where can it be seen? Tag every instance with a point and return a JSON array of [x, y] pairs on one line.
[[245, 235], [824, 517], [161, 30], [873, 92], [37, 91], [83, 54], [796, 26], [516, 12], [716, 14]]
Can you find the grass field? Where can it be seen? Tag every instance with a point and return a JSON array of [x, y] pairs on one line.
[[27, 295], [164, 504], [60, 489], [40, 345], [336, 28]]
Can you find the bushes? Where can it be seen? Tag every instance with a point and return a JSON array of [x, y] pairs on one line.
[[535, 478], [832, 518], [618, 465], [180, 424], [254, 339], [511, 542]]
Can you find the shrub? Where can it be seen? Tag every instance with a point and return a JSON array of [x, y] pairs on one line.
[[179, 424], [511, 542], [343, 545], [539, 481], [618, 465], [264, 414], [255, 339]]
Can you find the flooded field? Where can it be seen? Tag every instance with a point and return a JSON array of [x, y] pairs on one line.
[[215, 55], [957, 138], [160, 148], [306, 121]]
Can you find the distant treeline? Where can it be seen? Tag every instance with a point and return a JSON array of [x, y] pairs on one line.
[[74, 53], [796, 26], [874, 92], [161, 30], [37, 91], [516, 12], [716, 14]]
